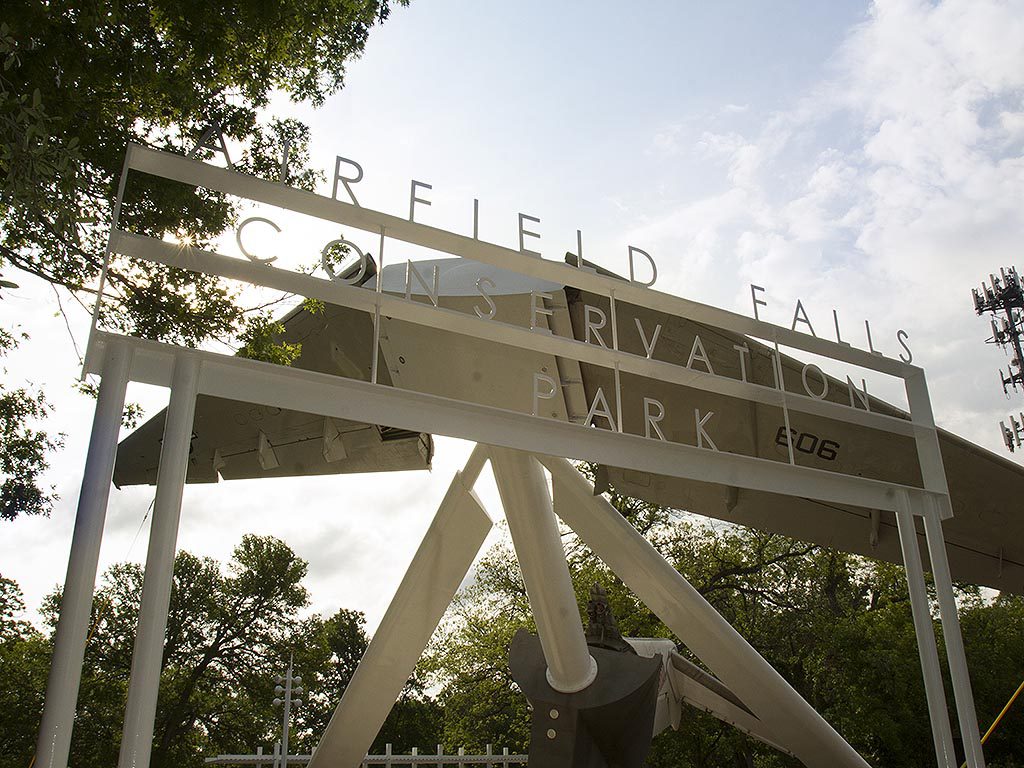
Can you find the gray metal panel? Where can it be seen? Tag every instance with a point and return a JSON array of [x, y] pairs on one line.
[[337, 341], [985, 537]]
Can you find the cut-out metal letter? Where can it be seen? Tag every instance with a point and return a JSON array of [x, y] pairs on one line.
[[903, 337], [539, 309], [744, 351], [600, 407], [482, 284], [538, 395], [800, 316], [871, 347], [697, 352], [702, 435], [524, 232], [862, 394], [651, 419], [632, 269], [241, 247], [839, 338], [411, 271], [413, 199], [329, 268], [807, 386], [648, 345], [753, 295], [591, 325], [347, 181]]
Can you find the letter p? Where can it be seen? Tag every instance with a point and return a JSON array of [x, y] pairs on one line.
[[539, 394]]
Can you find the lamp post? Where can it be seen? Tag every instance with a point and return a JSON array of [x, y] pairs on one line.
[[287, 686]]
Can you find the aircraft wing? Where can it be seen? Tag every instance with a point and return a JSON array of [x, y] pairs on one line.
[[985, 536], [233, 439]]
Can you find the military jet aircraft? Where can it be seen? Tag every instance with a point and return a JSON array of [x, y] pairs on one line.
[[235, 439]]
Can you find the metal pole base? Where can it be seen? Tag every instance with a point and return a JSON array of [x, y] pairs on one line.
[[608, 723]]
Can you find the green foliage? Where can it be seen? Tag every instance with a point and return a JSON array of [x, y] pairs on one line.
[[230, 631], [469, 657], [24, 659], [81, 82], [260, 342], [23, 448], [836, 626]]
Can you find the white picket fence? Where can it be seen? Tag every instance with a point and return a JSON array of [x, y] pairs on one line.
[[490, 759]]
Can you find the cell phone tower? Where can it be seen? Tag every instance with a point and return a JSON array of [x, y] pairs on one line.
[[1003, 298]]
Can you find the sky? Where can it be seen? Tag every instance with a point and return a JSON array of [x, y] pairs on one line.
[[863, 157]]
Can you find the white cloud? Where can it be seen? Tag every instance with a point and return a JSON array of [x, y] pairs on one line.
[[889, 189]]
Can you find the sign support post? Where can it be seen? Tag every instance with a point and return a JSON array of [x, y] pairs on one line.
[[531, 521], [147, 658], [54, 744], [927, 650], [951, 636]]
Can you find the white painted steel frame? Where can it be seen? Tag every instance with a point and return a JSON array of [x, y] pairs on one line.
[[935, 694], [312, 392], [538, 544], [196, 173], [54, 743], [211, 263], [147, 656], [438, 567], [154, 363]]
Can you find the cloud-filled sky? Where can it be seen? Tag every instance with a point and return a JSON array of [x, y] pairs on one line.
[[867, 158]]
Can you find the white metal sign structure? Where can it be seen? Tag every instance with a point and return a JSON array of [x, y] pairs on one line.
[[537, 420]]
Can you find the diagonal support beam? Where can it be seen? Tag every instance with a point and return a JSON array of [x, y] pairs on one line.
[[438, 567], [673, 599]]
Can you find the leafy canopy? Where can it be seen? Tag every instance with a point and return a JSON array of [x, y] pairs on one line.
[[230, 630], [79, 82]]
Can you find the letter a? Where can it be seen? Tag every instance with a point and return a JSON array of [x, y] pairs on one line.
[[697, 352], [800, 316], [600, 408], [206, 141]]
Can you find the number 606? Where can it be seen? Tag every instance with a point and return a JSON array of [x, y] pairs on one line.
[[805, 442]]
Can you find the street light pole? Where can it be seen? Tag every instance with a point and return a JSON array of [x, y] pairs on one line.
[[287, 685]]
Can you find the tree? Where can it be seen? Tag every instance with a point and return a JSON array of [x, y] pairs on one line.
[[227, 632], [23, 456], [230, 631], [331, 651], [80, 81], [24, 662]]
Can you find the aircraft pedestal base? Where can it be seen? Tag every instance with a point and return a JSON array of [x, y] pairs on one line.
[[608, 723]]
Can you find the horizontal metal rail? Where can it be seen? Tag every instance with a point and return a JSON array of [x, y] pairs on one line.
[[334, 292], [199, 174], [253, 381]]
